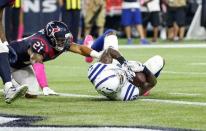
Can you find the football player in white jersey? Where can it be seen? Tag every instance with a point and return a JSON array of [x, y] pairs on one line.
[[127, 80]]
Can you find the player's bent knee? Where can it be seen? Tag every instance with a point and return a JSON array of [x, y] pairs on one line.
[[155, 64]]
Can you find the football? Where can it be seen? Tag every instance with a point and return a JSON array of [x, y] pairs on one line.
[[139, 78]]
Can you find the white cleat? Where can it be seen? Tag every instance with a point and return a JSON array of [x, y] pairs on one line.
[[12, 93], [47, 91]]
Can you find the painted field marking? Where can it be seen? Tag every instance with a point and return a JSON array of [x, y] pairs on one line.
[[198, 64], [198, 45], [74, 129], [78, 95], [146, 100], [184, 94], [6, 120], [184, 73], [175, 102]]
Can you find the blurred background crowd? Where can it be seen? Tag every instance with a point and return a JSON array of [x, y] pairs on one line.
[[143, 19]]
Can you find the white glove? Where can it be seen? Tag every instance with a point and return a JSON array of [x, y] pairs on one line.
[[135, 66], [47, 91], [129, 73]]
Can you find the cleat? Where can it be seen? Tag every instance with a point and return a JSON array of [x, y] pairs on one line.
[[13, 93], [88, 42], [47, 91]]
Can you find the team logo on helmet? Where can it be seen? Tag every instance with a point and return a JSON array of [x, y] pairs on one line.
[[59, 35]]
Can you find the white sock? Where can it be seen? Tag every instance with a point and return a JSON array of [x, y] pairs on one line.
[[111, 41]]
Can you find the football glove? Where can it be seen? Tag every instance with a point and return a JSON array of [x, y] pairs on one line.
[[129, 73], [135, 66], [47, 91]]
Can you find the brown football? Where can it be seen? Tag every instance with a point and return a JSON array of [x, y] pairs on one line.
[[139, 78]]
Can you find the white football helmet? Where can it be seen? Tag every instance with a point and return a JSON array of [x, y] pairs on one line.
[[109, 82], [155, 64]]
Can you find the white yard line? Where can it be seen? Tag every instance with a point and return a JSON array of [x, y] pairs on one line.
[[79, 95], [6, 120], [184, 94], [198, 64], [184, 73], [74, 129], [146, 100], [175, 102], [198, 45]]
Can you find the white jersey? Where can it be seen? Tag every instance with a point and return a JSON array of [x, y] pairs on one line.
[[110, 80]]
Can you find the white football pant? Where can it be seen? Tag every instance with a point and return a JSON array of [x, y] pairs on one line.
[[26, 76]]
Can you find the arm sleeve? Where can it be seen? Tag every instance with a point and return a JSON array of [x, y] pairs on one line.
[[40, 73]]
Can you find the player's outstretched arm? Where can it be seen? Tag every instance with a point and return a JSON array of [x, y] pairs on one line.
[[84, 50]]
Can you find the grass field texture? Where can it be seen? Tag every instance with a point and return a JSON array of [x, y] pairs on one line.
[[182, 79]]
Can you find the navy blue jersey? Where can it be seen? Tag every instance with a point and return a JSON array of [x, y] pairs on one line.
[[21, 49], [4, 3]]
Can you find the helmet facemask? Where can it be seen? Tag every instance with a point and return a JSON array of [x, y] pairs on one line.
[[59, 35], [62, 42]]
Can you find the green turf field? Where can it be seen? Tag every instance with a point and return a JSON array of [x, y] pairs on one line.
[[183, 79]]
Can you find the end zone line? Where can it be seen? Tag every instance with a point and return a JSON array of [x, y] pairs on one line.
[[146, 100], [184, 94], [184, 73]]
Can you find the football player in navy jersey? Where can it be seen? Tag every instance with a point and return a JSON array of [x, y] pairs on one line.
[[45, 45]]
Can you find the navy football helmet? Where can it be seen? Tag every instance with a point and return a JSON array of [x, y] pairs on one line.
[[59, 35]]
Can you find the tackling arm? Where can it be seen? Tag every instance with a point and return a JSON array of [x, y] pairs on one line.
[[84, 50]]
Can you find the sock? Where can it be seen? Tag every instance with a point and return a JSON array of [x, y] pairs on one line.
[[40, 73], [5, 71], [111, 41]]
